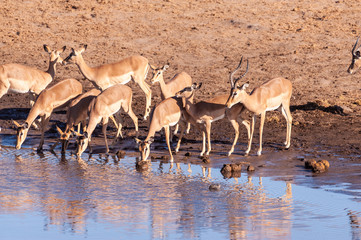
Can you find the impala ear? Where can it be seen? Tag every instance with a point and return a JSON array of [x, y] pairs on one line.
[[137, 140], [16, 123], [244, 86], [59, 130], [62, 49], [46, 48], [84, 48]]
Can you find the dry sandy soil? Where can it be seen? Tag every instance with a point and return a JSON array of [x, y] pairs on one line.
[[308, 42]]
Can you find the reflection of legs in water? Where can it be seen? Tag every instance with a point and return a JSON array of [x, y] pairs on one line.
[[204, 169], [355, 222]]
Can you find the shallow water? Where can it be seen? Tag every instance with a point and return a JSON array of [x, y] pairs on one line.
[[45, 196]]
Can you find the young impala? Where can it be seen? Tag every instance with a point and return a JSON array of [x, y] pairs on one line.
[[206, 112], [23, 79], [356, 58], [77, 113], [271, 95], [102, 107], [165, 114], [132, 68], [56, 97], [170, 88]]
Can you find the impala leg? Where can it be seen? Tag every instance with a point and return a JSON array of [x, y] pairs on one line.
[[133, 117], [263, 116], [176, 129], [44, 122], [182, 126], [208, 130], [236, 131], [251, 137], [148, 96], [246, 124], [188, 128], [104, 129], [287, 114], [167, 133], [203, 143], [32, 98]]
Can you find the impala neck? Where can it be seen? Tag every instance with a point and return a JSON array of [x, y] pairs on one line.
[[163, 86], [251, 102], [190, 107], [52, 68], [33, 114], [87, 71]]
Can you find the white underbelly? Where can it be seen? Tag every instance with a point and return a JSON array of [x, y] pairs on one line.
[[274, 103], [218, 118], [123, 79], [273, 108], [18, 86]]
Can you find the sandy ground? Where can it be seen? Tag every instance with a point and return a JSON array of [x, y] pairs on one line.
[[308, 42]]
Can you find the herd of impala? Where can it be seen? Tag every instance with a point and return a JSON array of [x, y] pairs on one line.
[[110, 95]]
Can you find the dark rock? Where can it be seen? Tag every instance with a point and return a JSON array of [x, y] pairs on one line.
[[215, 187]]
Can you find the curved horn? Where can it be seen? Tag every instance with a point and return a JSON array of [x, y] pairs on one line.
[[244, 74], [354, 47], [232, 73]]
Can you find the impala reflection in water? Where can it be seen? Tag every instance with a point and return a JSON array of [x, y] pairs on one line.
[[49, 196]]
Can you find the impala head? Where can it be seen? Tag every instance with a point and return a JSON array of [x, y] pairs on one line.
[[158, 73], [187, 90], [144, 148], [356, 58], [64, 138], [82, 142], [74, 55], [54, 54], [237, 93], [187, 93], [21, 133]]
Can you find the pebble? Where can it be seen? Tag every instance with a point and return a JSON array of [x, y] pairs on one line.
[[215, 187]]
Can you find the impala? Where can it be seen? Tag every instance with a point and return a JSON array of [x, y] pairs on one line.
[[271, 95], [356, 58], [169, 89], [206, 112], [165, 114], [77, 113], [104, 106], [54, 98], [22, 79], [132, 68]]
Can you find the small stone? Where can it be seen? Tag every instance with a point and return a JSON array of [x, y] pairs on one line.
[[318, 167], [236, 167], [325, 163], [206, 159], [310, 163], [120, 154], [250, 168], [165, 158], [187, 154], [226, 168], [215, 187], [142, 165]]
